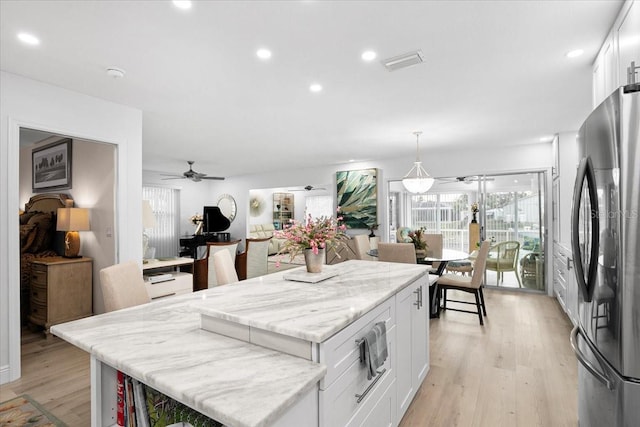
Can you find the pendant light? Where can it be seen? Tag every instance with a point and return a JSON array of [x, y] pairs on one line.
[[417, 180]]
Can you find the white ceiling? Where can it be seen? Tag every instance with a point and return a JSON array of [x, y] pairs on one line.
[[495, 74]]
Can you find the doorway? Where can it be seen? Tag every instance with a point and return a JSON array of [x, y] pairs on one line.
[[91, 185]]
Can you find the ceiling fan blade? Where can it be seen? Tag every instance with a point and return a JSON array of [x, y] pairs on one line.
[[218, 178], [173, 177]]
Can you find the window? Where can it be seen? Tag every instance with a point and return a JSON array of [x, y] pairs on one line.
[[164, 237], [446, 213]]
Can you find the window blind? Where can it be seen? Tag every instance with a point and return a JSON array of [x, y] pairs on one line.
[[165, 203]]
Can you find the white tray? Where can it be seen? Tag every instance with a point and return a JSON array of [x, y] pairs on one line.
[[304, 276]]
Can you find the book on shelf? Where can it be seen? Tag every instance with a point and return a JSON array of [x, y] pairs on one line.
[[120, 400], [142, 406]]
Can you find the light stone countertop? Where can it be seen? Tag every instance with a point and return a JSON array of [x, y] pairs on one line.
[[310, 311], [231, 381]]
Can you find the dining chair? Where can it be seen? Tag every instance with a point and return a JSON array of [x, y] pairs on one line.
[[503, 257], [257, 256], [397, 252], [471, 284], [212, 248], [123, 286], [434, 244], [225, 268], [363, 247]]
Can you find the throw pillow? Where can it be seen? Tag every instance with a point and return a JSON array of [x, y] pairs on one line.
[[28, 233], [44, 222]]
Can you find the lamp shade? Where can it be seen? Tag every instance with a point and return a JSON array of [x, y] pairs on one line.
[[148, 218], [73, 219], [417, 180]]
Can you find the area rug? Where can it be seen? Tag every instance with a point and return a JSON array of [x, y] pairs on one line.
[[26, 412]]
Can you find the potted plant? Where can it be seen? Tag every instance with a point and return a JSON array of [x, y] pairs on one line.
[[312, 237]]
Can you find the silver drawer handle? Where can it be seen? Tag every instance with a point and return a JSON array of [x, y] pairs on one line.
[[363, 395]]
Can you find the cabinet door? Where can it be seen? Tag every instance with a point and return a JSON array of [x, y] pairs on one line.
[[405, 307], [420, 337], [412, 317], [628, 46]]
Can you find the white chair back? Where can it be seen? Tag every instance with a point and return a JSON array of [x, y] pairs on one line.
[[257, 257], [362, 246], [123, 286], [212, 248], [225, 268], [397, 252]]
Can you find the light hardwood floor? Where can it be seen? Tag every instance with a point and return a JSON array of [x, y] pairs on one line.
[[516, 370]]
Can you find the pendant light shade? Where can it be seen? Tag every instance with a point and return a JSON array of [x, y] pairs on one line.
[[417, 180]]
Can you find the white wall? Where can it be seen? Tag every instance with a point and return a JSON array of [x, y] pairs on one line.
[[29, 103]]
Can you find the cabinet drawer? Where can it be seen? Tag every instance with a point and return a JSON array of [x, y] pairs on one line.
[[38, 295], [339, 405], [182, 283], [341, 351], [39, 311], [39, 276]]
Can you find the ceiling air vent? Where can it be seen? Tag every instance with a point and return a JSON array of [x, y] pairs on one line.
[[404, 60]]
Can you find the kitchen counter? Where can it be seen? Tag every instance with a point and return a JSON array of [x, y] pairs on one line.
[[232, 381]]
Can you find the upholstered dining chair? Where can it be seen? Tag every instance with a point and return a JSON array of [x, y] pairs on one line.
[[225, 267], [257, 256], [363, 247], [123, 286], [503, 257], [397, 252], [472, 284], [434, 244], [212, 248]]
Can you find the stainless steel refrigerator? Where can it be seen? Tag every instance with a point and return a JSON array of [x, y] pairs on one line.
[[606, 253]]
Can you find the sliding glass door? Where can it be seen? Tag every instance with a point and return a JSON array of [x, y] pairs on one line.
[[511, 216]]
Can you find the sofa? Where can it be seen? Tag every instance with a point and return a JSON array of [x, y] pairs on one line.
[[262, 231]]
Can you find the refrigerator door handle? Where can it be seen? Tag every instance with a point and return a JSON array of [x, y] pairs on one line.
[[583, 359], [585, 173]]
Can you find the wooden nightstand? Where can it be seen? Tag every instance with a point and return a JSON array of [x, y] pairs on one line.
[[61, 290]]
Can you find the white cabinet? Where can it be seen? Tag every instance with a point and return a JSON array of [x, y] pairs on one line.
[[620, 48], [412, 320], [181, 282], [628, 40], [564, 282], [566, 158]]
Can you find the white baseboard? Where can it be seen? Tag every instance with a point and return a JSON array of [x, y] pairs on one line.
[[5, 376]]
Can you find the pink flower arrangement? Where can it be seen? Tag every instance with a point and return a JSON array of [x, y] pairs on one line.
[[315, 234]]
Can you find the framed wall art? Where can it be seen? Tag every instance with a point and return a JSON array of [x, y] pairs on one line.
[[357, 195], [51, 166]]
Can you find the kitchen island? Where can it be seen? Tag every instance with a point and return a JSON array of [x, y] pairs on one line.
[[282, 352]]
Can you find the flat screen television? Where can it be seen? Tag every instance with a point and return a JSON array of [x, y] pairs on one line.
[[213, 220]]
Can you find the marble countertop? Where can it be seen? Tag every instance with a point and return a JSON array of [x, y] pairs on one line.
[[235, 382], [310, 311]]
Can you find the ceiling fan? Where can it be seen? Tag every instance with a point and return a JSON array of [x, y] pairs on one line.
[[464, 179], [193, 175], [307, 188]]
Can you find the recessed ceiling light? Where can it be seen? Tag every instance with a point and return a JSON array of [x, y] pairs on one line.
[[315, 87], [351, 160], [29, 39], [369, 55], [182, 4], [575, 53], [263, 53]]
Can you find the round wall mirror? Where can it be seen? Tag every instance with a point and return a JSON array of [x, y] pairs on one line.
[[227, 205]]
